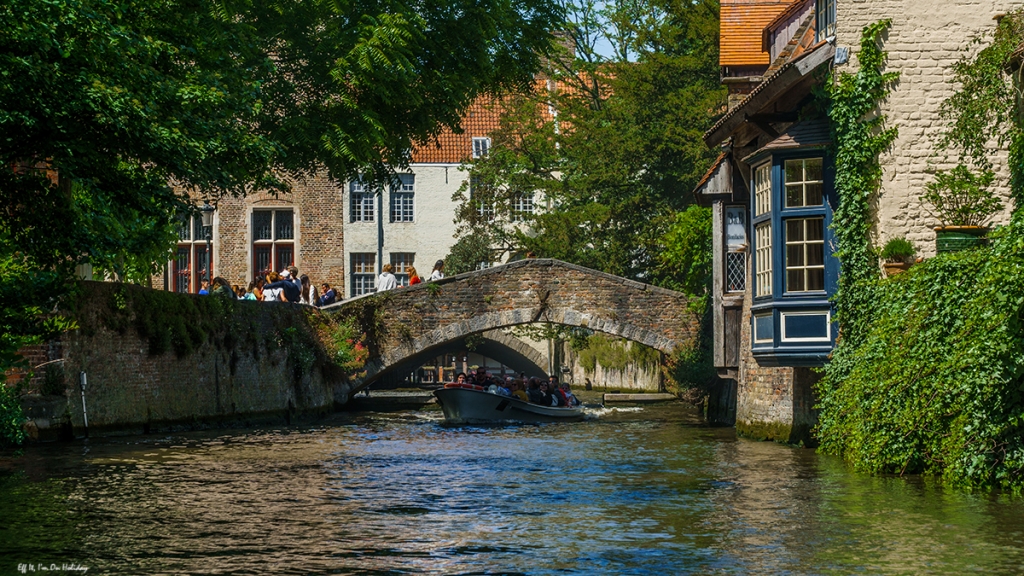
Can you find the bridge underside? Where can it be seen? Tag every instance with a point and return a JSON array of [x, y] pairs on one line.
[[497, 345]]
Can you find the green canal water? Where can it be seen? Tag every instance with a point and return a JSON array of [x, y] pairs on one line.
[[640, 491]]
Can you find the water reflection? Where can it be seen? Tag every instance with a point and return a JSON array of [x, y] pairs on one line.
[[629, 493]]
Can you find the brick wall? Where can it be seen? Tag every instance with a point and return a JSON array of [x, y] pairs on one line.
[[316, 203], [231, 377], [926, 38], [772, 402]]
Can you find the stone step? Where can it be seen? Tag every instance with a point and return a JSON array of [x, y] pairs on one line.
[[639, 398]]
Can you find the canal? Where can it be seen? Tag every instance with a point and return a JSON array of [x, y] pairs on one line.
[[637, 491]]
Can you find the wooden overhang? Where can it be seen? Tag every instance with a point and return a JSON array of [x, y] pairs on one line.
[[768, 92]]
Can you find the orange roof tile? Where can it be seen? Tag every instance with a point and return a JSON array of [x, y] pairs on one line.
[[482, 118], [742, 22]]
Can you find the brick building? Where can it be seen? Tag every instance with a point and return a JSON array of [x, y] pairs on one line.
[[771, 188], [332, 230]]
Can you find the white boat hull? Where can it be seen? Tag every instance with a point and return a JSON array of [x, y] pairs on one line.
[[468, 406]]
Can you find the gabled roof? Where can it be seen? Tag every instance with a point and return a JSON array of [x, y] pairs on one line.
[[741, 24], [709, 174], [771, 89]]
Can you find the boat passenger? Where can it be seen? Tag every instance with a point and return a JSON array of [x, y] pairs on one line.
[[555, 391], [570, 399], [461, 378], [534, 393], [518, 390], [482, 378], [548, 399]]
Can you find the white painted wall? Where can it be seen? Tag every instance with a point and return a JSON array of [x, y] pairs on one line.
[[431, 233]]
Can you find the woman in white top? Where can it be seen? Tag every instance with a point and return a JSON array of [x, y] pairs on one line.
[[437, 273], [272, 294], [386, 280]]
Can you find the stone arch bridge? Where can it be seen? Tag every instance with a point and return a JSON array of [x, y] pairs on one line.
[[417, 321]]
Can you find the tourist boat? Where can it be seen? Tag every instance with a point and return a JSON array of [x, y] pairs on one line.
[[470, 404]]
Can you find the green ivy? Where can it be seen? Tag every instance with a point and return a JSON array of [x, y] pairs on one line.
[[928, 374], [858, 137]]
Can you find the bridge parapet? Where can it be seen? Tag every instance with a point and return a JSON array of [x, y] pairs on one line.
[[431, 315]]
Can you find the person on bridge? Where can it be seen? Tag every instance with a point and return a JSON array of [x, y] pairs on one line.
[[414, 278], [386, 280], [328, 296], [308, 294], [272, 291], [438, 272], [290, 291]]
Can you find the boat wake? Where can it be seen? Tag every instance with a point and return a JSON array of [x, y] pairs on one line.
[[595, 412]]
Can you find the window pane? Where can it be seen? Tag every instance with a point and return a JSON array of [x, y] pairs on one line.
[[794, 255], [816, 279], [184, 225], [182, 270], [261, 260], [815, 228], [285, 256], [198, 232], [199, 271], [794, 230], [794, 171], [261, 225], [812, 169], [795, 280], [816, 254], [284, 226], [814, 194], [794, 196]]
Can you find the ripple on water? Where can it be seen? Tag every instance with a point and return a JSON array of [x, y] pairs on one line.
[[631, 491]]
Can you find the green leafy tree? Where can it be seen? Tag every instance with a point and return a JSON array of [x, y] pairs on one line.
[[612, 153], [114, 113]]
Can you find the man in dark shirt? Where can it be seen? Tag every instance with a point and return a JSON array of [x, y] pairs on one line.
[[291, 290], [328, 295]]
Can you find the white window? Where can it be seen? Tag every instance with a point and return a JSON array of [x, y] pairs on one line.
[[273, 240], [804, 184], [402, 199], [401, 262], [480, 147], [484, 265], [522, 207], [363, 273], [763, 189], [361, 206], [825, 25], [805, 254], [763, 237]]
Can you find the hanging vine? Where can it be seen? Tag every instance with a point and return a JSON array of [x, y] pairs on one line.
[[859, 137]]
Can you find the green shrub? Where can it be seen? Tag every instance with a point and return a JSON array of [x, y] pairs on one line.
[[11, 416], [54, 380], [897, 250], [935, 385], [962, 198]]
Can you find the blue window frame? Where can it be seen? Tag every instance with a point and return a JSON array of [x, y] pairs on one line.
[[794, 267]]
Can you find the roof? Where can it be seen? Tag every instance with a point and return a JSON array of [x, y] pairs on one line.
[[711, 171], [773, 87], [482, 118], [742, 22], [790, 12], [803, 134]]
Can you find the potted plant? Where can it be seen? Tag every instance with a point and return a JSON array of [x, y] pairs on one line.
[[963, 204], [897, 255]]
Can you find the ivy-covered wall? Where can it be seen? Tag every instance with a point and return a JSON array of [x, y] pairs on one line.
[[156, 360]]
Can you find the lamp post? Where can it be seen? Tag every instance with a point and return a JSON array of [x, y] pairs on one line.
[[207, 213]]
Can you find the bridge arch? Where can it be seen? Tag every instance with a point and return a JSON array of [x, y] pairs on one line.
[[429, 316]]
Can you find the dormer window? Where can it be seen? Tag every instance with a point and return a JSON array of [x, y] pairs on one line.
[[825, 20], [480, 147]]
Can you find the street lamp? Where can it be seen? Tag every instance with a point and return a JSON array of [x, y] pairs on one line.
[[207, 213]]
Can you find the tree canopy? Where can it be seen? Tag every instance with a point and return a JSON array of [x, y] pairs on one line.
[[611, 145], [112, 111]]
